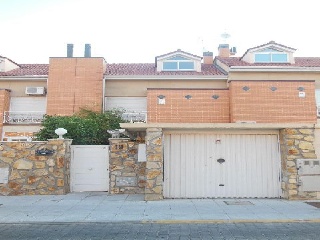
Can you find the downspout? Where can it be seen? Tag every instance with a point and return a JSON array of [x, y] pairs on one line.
[[103, 93]]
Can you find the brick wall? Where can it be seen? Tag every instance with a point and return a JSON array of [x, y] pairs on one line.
[[255, 101], [4, 105], [200, 108], [74, 83]]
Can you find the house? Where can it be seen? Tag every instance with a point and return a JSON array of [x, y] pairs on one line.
[[221, 126]]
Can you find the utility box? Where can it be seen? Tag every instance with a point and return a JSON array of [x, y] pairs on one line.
[[308, 175], [309, 183], [308, 166]]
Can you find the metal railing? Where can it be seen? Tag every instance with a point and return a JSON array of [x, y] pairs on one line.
[[135, 117], [14, 117]]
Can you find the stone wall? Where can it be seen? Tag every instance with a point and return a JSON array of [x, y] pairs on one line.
[[127, 175], [26, 170], [154, 167], [295, 144]]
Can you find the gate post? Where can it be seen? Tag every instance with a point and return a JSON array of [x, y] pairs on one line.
[[154, 166]]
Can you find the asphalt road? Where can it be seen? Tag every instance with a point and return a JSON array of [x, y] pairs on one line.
[[134, 230]]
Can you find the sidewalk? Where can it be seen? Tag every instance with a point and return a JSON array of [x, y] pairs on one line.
[[102, 207]]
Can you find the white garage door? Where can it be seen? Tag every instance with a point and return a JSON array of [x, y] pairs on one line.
[[214, 166], [89, 168]]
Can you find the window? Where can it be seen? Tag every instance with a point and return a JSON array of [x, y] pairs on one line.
[[178, 63], [318, 101], [318, 97], [270, 55]]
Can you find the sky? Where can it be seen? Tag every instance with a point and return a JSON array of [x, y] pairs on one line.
[[136, 31]]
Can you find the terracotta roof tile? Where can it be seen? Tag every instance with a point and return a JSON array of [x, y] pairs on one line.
[[28, 70], [150, 69], [299, 62]]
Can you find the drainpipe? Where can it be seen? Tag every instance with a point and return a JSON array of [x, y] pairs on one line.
[[103, 93]]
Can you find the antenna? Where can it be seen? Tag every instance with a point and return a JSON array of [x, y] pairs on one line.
[[225, 36]]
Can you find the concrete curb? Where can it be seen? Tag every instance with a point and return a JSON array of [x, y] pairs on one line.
[[234, 221]]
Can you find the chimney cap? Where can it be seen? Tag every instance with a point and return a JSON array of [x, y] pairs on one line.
[[207, 53], [223, 45]]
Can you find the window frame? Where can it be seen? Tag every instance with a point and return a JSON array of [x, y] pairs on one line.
[[269, 53], [178, 61]]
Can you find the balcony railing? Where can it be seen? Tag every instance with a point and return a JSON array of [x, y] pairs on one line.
[[12, 117], [135, 117]]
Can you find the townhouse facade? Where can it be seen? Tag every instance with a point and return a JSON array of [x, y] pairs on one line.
[[221, 126]]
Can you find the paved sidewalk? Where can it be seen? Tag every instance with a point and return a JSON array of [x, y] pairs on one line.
[[102, 207]]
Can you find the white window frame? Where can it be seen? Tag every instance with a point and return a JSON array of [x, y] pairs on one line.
[[271, 54], [178, 64]]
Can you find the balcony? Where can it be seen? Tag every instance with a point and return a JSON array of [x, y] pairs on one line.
[[12, 117], [135, 117]]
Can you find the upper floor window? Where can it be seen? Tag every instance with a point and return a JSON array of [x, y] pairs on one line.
[[270, 55], [178, 63], [318, 97]]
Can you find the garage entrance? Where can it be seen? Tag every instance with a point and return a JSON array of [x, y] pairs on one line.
[[89, 169], [221, 166]]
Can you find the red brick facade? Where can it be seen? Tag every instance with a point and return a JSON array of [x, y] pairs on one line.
[[245, 101], [272, 101], [200, 108], [74, 83]]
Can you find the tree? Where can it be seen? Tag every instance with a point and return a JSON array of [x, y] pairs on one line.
[[85, 128]]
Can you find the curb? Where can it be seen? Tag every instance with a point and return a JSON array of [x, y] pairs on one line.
[[234, 221]]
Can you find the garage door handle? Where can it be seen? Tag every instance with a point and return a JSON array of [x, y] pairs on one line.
[[90, 169]]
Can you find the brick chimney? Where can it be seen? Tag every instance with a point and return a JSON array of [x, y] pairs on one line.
[[224, 50], [208, 57]]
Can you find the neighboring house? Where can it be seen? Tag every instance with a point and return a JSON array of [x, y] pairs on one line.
[[214, 127]]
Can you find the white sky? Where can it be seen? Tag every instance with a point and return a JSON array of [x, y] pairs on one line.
[[127, 31]]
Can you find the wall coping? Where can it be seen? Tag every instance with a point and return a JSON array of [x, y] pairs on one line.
[[143, 126]]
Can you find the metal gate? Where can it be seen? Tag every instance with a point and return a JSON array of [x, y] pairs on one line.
[[89, 169], [213, 166]]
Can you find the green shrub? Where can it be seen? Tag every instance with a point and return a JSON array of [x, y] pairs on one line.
[[85, 128]]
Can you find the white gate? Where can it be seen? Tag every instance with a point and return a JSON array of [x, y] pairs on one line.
[[213, 166], [89, 169]]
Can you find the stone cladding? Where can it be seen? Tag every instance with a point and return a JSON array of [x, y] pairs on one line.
[[31, 172], [295, 144], [154, 167], [127, 175]]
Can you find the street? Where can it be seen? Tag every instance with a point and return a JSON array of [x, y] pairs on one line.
[[138, 230]]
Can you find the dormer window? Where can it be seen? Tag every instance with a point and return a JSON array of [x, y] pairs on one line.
[[269, 55], [178, 63]]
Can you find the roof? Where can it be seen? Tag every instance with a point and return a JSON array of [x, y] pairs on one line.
[[299, 62], [149, 69], [28, 70]]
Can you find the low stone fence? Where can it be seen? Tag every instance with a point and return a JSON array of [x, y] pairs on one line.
[[35, 168], [127, 175]]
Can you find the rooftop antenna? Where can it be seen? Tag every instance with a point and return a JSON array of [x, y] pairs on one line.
[[225, 36]]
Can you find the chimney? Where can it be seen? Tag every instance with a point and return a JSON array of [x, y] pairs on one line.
[[208, 57], [224, 50], [87, 50], [69, 50]]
